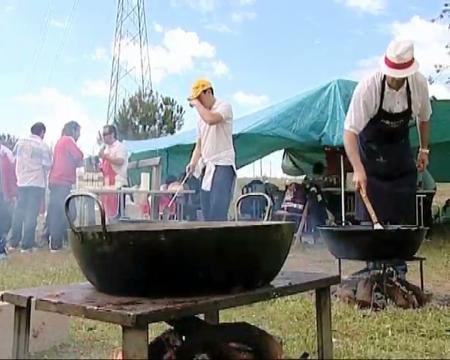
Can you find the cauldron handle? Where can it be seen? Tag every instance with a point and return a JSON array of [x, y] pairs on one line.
[[268, 212], [92, 196]]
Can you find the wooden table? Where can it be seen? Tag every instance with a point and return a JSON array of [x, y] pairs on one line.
[[135, 314]]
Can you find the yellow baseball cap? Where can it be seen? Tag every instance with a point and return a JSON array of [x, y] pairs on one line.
[[198, 87]]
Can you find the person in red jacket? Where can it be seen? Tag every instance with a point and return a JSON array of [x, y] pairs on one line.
[[66, 158]]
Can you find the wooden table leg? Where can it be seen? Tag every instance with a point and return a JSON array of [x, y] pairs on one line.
[[212, 317], [21, 337], [135, 342], [323, 320]]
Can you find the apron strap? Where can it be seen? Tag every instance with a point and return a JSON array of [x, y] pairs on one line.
[[383, 88], [408, 94]]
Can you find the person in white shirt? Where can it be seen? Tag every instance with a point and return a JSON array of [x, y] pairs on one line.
[[376, 135], [215, 149], [33, 161], [115, 153], [114, 156]]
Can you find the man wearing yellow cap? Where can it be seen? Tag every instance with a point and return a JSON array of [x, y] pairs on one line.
[[215, 148]]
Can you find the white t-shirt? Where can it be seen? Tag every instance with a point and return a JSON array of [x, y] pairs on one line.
[[217, 140], [33, 161], [366, 100], [117, 150]]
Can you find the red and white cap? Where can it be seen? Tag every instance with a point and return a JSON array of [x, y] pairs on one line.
[[399, 61]]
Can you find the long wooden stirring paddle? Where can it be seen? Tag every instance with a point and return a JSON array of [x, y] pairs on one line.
[[371, 211]]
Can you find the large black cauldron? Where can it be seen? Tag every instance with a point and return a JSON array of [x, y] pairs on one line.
[[362, 242], [144, 259]]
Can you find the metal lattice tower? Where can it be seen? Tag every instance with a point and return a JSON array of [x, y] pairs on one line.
[[130, 70]]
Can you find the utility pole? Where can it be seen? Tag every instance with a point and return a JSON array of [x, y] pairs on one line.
[[129, 73]]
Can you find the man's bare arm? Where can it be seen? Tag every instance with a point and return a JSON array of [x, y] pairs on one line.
[[424, 134], [208, 116], [196, 154], [352, 150]]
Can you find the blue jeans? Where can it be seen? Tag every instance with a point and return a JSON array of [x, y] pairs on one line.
[[215, 203], [56, 217], [5, 222], [29, 203]]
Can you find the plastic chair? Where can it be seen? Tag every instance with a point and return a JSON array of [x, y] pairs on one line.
[[268, 209]]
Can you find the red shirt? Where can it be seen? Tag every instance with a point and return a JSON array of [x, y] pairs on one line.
[[66, 158]]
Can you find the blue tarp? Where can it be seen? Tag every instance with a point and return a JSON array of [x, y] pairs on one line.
[[302, 126], [309, 121]]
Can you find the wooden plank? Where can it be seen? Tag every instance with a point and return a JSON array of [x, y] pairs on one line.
[[135, 342], [120, 317], [83, 300], [156, 178], [20, 296], [21, 335], [323, 320], [212, 317], [154, 208], [15, 299], [156, 161], [301, 227]]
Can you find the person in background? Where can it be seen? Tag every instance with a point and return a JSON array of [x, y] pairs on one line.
[[7, 194], [67, 156], [169, 180], [114, 166], [317, 213], [33, 161], [215, 148]]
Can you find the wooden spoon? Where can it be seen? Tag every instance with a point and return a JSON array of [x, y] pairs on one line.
[[370, 210]]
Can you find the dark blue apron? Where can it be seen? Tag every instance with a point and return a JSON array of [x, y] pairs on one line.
[[390, 167]]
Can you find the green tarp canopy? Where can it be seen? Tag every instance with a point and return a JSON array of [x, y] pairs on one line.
[[301, 125]]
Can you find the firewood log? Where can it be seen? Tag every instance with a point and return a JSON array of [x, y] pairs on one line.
[[422, 297], [395, 293], [165, 345], [199, 333], [364, 293], [195, 348], [346, 294]]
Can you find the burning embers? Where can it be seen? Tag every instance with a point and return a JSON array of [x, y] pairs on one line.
[[193, 338], [376, 290]]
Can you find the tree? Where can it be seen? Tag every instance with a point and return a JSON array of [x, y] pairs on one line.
[[145, 116], [8, 140], [442, 69]]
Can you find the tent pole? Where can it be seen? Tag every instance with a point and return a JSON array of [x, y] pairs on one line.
[[342, 190]]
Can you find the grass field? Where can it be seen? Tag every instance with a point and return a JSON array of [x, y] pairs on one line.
[[392, 333]]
